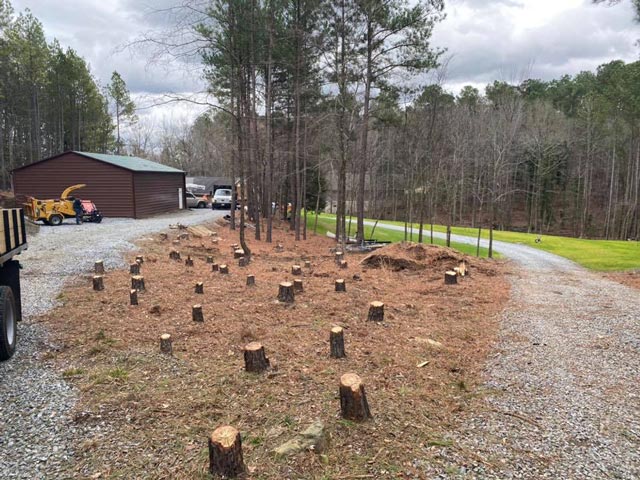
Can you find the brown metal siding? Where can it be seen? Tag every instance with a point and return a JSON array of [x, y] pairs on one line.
[[109, 187], [156, 192]]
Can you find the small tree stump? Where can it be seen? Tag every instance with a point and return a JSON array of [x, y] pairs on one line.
[[251, 280], [199, 287], [174, 255], [297, 286], [243, 261], [165, 344], [340, 285], [98, 267], [376, 312], [133, 296], [343, 264], [225, 453], [176, 241], [215, 267], [285, 292], [336, 342], [450, 277], [189, 261], [196, 313], [353, 401], [98, 283], [237, 253], [224, 269], [209, 259], [137, 282], [164, 236], [307, 264], [339, 257], [139, 259], [296, 270], [279, 248], [255, 360], [234, 246], [134, 268]]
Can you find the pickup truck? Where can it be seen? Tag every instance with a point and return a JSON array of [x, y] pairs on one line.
[[13, 240]]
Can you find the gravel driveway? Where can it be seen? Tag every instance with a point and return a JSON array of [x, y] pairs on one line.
[[562, 387], [36, 433]]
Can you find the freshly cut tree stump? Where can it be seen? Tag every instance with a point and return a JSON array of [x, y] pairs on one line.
[[235, 246], [224, 269], [285, 292], [225, 452], [164, 236], [139, 259], [98, 283], [243, 261], [307, 264], [339, 257], [340, 285], [376, 312], [255, 360], [98, 267], [279, 248], [343, 264], [137, 282], [134, 268], [353, 401], [199, 287], [174, 255], [196, 313], [336, 342], [251, 280], [189, 261], [296, 270], [215, 267], [165, 344], [450, 278], [297, 286], [133, 296], [237, 253], [209, 259]]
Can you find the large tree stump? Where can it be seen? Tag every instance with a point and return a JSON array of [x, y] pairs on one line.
[[297, 286], [336, 342], [189, 261], [137, 282], [98, 283], [353, 401], [98, 267], [251, 280], [196, 313], [165, 344], [134, 268], [225, 452], [285, 292], [450, 277], [340, 285], [199, 287], [376, 312], [224, 269], [296, 270], [339, 257], [209, 259], [174, 255], [139, 259], [133, 296], [215, 267], [238, 252], [255, 360]]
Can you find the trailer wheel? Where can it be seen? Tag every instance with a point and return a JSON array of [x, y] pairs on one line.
[[55, 220], [8, 324]]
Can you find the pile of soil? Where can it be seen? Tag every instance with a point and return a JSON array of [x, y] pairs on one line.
[[415, 256]]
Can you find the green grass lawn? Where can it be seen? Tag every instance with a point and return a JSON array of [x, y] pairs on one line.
[[601, 255]]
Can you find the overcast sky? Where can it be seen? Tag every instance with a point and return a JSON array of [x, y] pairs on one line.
[[485, 40]]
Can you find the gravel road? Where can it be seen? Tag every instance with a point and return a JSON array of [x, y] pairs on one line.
[[562, 397], [36, 433]]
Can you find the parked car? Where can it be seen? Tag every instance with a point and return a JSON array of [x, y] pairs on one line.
[[197, 201], [221, 198]]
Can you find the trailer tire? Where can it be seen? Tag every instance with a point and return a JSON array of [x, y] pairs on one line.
[[55, 220], [8, 323]]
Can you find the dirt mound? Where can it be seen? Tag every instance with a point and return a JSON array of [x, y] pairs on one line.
[[413, 256]]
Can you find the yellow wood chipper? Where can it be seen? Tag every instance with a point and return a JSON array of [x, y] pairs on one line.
[[53, 212]]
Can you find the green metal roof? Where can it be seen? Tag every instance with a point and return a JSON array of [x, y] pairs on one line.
[[131, 163]]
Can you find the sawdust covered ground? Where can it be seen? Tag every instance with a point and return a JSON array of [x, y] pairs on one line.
[[630, 279], [155, 412]]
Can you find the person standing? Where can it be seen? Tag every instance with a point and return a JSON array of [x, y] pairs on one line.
[[77, 207]]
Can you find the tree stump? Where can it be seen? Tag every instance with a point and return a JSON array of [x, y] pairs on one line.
[[196, 313], [285, 292], [307, 264], [343, 264], [225, 452], [98, 267], [339, 257], [183, 236], [137, 282], [237, 253], [251, 281], [176, 241], [243, 261], [340, 285], [215, 267], [134, 268], [98, 283], [450, 277], [139, 259], [209, 259], [297, 286], [164, 236], [224, 269], [189, 261], [296, 270], [255, 360], [174, 255], [336, 342], [464, 269], [133, 296], [165, 344], [199, 287], [234, 246], [279, 248], [376, 312], [353, 401]]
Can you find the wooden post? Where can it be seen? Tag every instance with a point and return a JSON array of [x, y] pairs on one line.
[[133, 296], [297, 286], [340, 285], [376, 312], [224, 269], [134, 268], [251, 280], [189, 261], [215, 267], [353, 401], [165, 344], [196, 313], [199, 287], [137, 282], [98, 267], [139, 259], [209, 259], [238, 252], [285, 292], [225, 453], [255, 360], [307, 264], [450, 277], [336, 342], [296, 270], [98, 284], [339, 257]]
